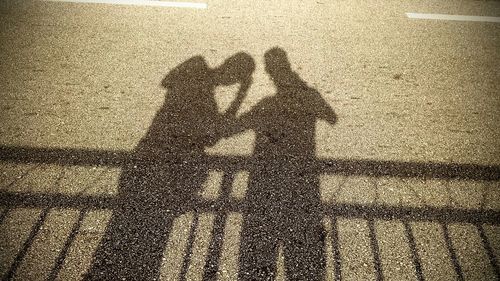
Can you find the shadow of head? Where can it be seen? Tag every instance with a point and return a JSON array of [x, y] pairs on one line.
[[277, 64], [194, 76], [236, 69]]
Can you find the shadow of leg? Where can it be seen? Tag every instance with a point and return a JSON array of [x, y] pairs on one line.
[[259, 250]]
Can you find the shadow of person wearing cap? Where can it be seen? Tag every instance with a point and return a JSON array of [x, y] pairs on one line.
[[167, 172], [283, 207]]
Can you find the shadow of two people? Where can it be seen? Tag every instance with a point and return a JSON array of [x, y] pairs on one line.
[[282, 207]]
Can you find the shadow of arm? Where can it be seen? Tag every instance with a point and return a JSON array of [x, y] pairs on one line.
[[323, 109]]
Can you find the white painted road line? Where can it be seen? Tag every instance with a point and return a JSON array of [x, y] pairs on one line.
[[452, 17], [140, 3]]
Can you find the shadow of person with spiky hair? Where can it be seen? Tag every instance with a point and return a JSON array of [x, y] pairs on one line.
[[283, 207], [168, 169]]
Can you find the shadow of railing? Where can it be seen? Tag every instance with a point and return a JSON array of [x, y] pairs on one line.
[[334, 210], [373, 168]]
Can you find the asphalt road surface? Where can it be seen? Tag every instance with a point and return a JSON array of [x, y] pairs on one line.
[[250, 140]]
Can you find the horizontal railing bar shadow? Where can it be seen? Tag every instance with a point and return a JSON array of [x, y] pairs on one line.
[[385, 212], [374, 168]]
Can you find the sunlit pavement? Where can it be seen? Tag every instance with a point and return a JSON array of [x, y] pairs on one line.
[[105, 173]]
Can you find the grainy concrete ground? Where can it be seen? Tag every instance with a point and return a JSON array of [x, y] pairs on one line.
[[298, 140]]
